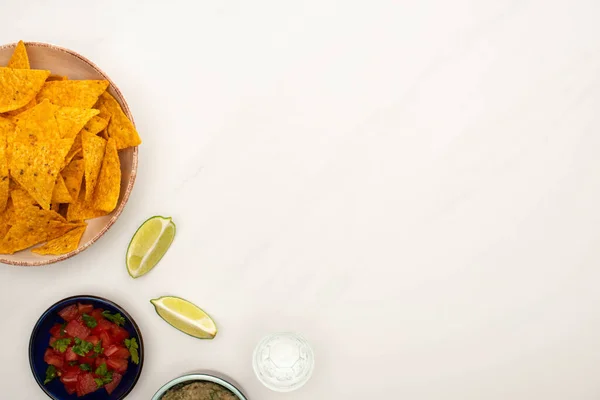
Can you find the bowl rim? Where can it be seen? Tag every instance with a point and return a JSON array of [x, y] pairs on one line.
[[203, 377], [84, 297], [134, 162]]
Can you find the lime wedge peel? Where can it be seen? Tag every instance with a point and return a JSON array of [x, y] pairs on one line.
[[149, 244], [185, 316]]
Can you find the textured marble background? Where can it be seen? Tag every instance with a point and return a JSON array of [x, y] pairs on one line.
[[412, 185]]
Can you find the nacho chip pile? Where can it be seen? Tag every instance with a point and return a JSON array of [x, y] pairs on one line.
[[59, 160]]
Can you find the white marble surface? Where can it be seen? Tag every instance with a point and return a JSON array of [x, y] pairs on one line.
[[412, 185]]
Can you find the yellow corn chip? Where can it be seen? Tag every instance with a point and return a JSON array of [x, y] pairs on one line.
[[119, 127], [82, 94], [73, 177], [58, 228], [104, 134], [35, 165], [55, 206], [93, 153], [37, 123], [71, 120], [95, 125], [70, 156], [82, 209], [5, 127], [6, 218], [61, 193], [106, 194], [63, 244], [19, 86], [31, 227], [21, 199], [19, 57], [74, 151], [54, 77], [18, 111]]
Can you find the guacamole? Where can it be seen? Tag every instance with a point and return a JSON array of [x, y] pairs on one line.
[[199, 391]]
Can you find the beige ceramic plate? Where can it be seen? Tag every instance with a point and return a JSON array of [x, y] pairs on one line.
[[66, 62]]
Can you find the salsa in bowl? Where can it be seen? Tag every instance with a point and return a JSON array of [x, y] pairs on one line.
[[86, 347]]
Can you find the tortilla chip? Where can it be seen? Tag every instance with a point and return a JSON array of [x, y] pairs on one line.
[[82, 209], [71, 120], [106, 194], [6, 219], [19, 57], [61, 193], [82, 94], [21, 199], [31, 227], [104, 134], [54, 77], [37, 123], [19, 86], [95, 125], [93, 153], [35, 165], [18, 111], [73, 177], [71, 155], [119, 127], [63, 244], [55, 207], [5, 127]]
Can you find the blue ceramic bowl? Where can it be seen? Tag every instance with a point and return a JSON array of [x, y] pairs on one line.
[[41, 336]]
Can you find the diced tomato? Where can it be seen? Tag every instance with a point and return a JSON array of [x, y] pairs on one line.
[[115, 351], [118, 334], [85, 308], [103, 326], [57, 331], [77, 329], [70, 374], [69, 313], [97, 314], [70, 355], [116, 379], [100, 361], [52, 340], [117, 364], [87, 360], [71, 388], [53, 358], [93, 339], [86, 384], [106, 340]]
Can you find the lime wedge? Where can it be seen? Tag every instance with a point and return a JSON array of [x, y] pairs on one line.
[[185, 316], [149, 244]]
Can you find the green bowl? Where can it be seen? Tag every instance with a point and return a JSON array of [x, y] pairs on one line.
[[199, 378]]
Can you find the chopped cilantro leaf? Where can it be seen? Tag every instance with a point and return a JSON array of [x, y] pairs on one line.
[[82, 347], [133, 347], [116, 318], [61, 344], [102, 370], [50, 374], [98, 347], [104, 375], [89, 321], [85, 367]]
